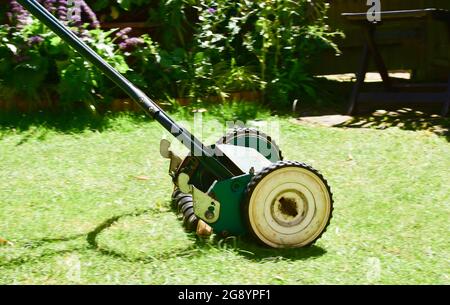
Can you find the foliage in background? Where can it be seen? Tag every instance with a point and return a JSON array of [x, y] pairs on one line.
[[266, 45], [35, 63], [203, 48]]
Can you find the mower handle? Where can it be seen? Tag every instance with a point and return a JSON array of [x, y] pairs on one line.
[[194, 145]]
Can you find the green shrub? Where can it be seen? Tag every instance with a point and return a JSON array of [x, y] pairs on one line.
[[35, 63], [205, 48], [268, 44]]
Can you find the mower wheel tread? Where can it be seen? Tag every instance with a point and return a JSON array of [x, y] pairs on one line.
[[251, 131]]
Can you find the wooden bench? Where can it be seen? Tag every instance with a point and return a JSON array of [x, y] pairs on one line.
[[395, 93]]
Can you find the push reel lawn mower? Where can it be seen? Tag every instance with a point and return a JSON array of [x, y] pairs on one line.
[[236, 186]]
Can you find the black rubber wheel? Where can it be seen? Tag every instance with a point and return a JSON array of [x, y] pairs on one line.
[[240, 136], [288, 205]]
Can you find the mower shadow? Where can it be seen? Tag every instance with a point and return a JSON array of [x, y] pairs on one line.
[[265, 254], [24, 259], [44, 241], [91, 239], [243, 246], [253, 251]]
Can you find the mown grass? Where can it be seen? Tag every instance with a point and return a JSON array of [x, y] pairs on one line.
[[75, 212]]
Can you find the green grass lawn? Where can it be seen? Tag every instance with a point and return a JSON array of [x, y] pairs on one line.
[[75, 212]]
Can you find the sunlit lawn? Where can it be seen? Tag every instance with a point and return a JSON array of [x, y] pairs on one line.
[[75, 212]]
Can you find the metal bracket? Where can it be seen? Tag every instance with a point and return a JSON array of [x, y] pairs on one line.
[[165, 152], [205, 207]]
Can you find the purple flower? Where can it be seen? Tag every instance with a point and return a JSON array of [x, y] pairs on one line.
[[90, 14], [17, 15], [211, 10], [16, 8], [21, 58], [35, 40], [131, 43], [122, 34], [61, 11], [75, 17], [122, 45], [50, 5]]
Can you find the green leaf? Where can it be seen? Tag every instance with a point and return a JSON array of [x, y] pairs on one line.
[[125, 4], [55, 41], [309, 90], [12, 47]]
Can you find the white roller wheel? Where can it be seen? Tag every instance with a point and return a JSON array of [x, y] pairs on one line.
[[289, 205]]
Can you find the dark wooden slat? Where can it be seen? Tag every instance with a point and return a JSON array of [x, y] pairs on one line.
[[370, 31], [402, 97], [427, 86], [433, 12], [436, 86], [360, 77], [446, 106]]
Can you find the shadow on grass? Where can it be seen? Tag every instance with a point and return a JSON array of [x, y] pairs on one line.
[[65, 121], [262, 253], [405, 118], [34, 244], [243, 246], [252, 250], [41, 242], [36, 258], [91, 239], [37, 124]]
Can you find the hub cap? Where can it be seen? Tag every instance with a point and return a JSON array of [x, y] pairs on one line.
[[289, 207]]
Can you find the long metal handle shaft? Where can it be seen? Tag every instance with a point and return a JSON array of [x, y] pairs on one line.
[[192, 143]]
